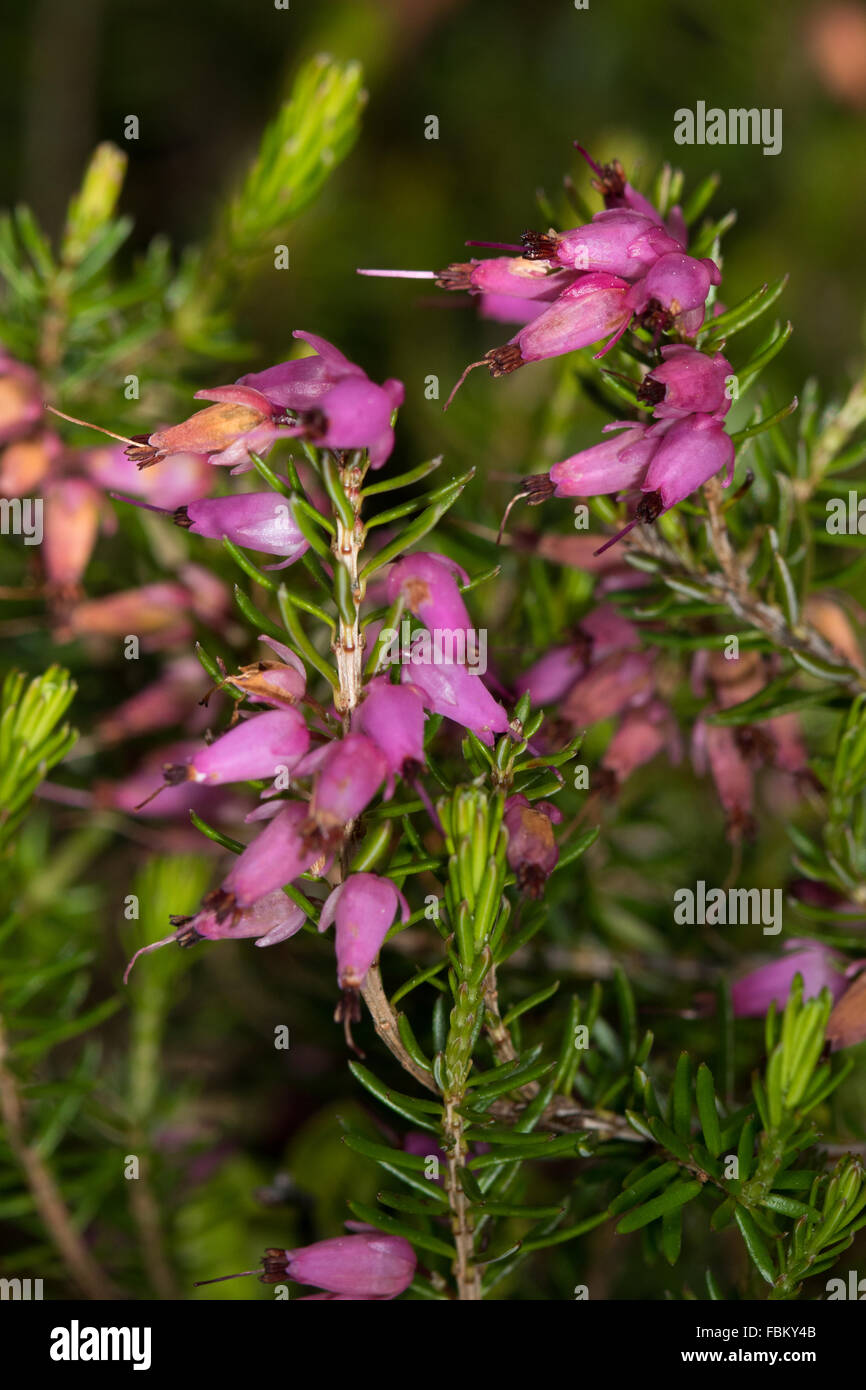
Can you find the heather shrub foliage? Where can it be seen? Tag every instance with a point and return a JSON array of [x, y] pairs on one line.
[[552, 830]]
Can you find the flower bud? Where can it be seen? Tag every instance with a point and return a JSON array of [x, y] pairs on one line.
[[752, 995], [257, 520], [688, 382], [450, 689], [393, 716], [427, 585], [255, 747], [532, 850], [277, 856], [364, 907], [367, 1265]]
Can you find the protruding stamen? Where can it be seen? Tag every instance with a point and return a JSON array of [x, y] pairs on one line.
[[400, 274], [87, 425]]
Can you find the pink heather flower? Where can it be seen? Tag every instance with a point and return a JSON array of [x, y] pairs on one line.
[[72, 512], [642, 734], [716, 746], [156, 613], [448, 688], [272, 919], [816, 963], [279, 854], [367, 1265], [257, 520], [592, 308], [548, 679], [427, 585], [608, 631], [510, 276], [364, 907], [337, 405], [355, 414], [301, 384], [159, 705], [393, 716], [241, 420], [255, 747], [183, 477], [620, 680], [617, 242], [674, 291], [532, 850], [348, 773], [20, 398], [278, 683], [617, 464], [691, 452], [687, 382]]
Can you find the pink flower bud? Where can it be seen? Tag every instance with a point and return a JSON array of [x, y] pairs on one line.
[[616, 242], [272, 919], [511, 276], [72, 509], [692, 451], [643, 734], [349, 772], [301, 383], [274, 858], [367, 1265], [354, 414], [620, 680], [25, 462], [617, 464], [532, 850], [255, 747], [450, 689], [590, 309], [241, 420], [687, 382], [427, 585], [156, 613], [364, 907], [716, 745], [674, 290], [754, 993], [393, 717], [257, 520], [159, 705], [553, 674]]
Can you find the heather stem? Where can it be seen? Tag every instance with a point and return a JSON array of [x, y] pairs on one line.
[[349, 639]]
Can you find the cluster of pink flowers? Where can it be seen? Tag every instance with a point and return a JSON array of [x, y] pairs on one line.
[[628, 267]]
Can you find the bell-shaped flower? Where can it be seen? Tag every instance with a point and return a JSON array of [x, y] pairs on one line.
[[393, 717], [364, 907], [687, 382], [366, 1265], [272, 919], [260, 746], [427, 585], [450, 689], [532, 851], [819, 967]]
